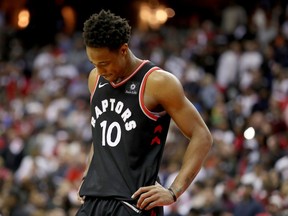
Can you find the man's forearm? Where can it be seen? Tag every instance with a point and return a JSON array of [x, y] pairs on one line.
[[192, 162]]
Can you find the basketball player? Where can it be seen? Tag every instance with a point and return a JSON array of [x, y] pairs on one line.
[[132, 103]]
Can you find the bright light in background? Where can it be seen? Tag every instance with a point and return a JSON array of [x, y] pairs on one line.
[[154, 15], [170, 12], [249, 133], [161, 15], [23, 18], [69, 17]]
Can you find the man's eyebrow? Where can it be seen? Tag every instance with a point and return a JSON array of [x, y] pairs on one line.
[[102, 62]]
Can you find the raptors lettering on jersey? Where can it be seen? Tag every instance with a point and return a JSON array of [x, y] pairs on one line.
[[114, 106]]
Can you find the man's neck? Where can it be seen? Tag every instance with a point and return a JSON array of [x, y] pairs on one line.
[[132, 64]]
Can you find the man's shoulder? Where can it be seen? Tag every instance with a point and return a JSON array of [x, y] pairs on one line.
[[93, 75], [160, 76]]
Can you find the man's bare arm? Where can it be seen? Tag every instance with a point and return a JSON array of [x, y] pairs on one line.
[[89, 159], [172, 98]]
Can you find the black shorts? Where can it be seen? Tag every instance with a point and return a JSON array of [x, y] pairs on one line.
[[112, 207]]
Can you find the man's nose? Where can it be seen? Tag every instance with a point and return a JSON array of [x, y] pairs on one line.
[[101, 71]]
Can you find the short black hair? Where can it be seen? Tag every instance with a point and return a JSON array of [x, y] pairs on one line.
[[105, 29]]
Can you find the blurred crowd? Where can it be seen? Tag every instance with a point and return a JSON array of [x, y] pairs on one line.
[[236, 74]]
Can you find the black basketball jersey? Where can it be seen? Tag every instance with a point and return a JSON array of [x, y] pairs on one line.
[[128, 139]]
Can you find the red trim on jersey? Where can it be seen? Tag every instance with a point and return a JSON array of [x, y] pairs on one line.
[[146, 111], [95, 85], [115, 85]]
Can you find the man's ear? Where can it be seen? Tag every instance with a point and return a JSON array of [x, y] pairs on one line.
[[124, 49]]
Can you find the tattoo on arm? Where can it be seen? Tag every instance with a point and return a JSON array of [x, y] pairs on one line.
[[179, 190]]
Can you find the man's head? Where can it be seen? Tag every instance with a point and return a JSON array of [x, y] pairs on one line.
[[106, 37], [106, 30]]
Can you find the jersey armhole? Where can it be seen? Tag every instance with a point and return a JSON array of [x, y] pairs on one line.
[[152, 115]]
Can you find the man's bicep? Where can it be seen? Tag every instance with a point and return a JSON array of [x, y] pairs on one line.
[[182, 111], [187, 118]]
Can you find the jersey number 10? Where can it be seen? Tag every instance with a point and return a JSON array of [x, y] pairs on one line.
[[107, 133]]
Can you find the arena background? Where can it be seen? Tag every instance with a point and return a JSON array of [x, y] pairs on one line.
[[230, 56]]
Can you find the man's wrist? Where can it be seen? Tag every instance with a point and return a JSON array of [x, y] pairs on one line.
[[173, 194]]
